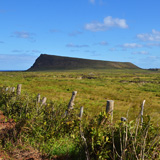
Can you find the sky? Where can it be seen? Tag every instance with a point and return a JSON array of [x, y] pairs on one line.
[[110, 30]]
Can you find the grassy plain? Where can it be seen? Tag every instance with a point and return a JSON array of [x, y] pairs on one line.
[[128, 88]]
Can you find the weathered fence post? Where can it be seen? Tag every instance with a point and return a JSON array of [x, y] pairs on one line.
[[12, 89], [71, 103], [82, 135], [65, 114], [19, 86], [142, 108], [38, 102], [109, 108], [44, 99], [38, 98], [81, 112], [6, 89]]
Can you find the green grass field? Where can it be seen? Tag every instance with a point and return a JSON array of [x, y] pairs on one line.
[[47, 129], [128, 88]]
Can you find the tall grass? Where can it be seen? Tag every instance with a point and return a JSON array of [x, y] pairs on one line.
[[44, 126], [127, 87]]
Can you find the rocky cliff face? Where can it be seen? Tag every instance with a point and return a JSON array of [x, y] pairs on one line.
[[51, 62]]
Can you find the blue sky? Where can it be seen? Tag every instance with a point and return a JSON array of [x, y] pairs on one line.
[[111, 30]]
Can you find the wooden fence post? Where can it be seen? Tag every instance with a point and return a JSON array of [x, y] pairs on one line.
[[19, 86], [142, 108], [44, 99], [6, 89], [109, 108], [82, 135], [12, 89], [71, 103], [38, 98], [38, 102], [81, 112], [65, 114]]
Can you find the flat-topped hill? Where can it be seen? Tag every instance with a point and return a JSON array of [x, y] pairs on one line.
[[52, 62]]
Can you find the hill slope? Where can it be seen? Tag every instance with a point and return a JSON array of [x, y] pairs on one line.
[[52, 62]]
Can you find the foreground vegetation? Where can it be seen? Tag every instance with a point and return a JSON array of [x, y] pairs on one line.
[[45, 127]]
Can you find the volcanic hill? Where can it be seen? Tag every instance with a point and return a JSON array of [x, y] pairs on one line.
[[51, 62]]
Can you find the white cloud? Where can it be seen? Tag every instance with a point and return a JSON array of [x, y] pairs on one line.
[[108, 22], [76, 46], [22, 34], [154, 36], [141, 52], [92, 1], [131, 45]]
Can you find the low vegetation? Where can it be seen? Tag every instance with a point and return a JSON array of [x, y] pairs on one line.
[[46, 127]]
